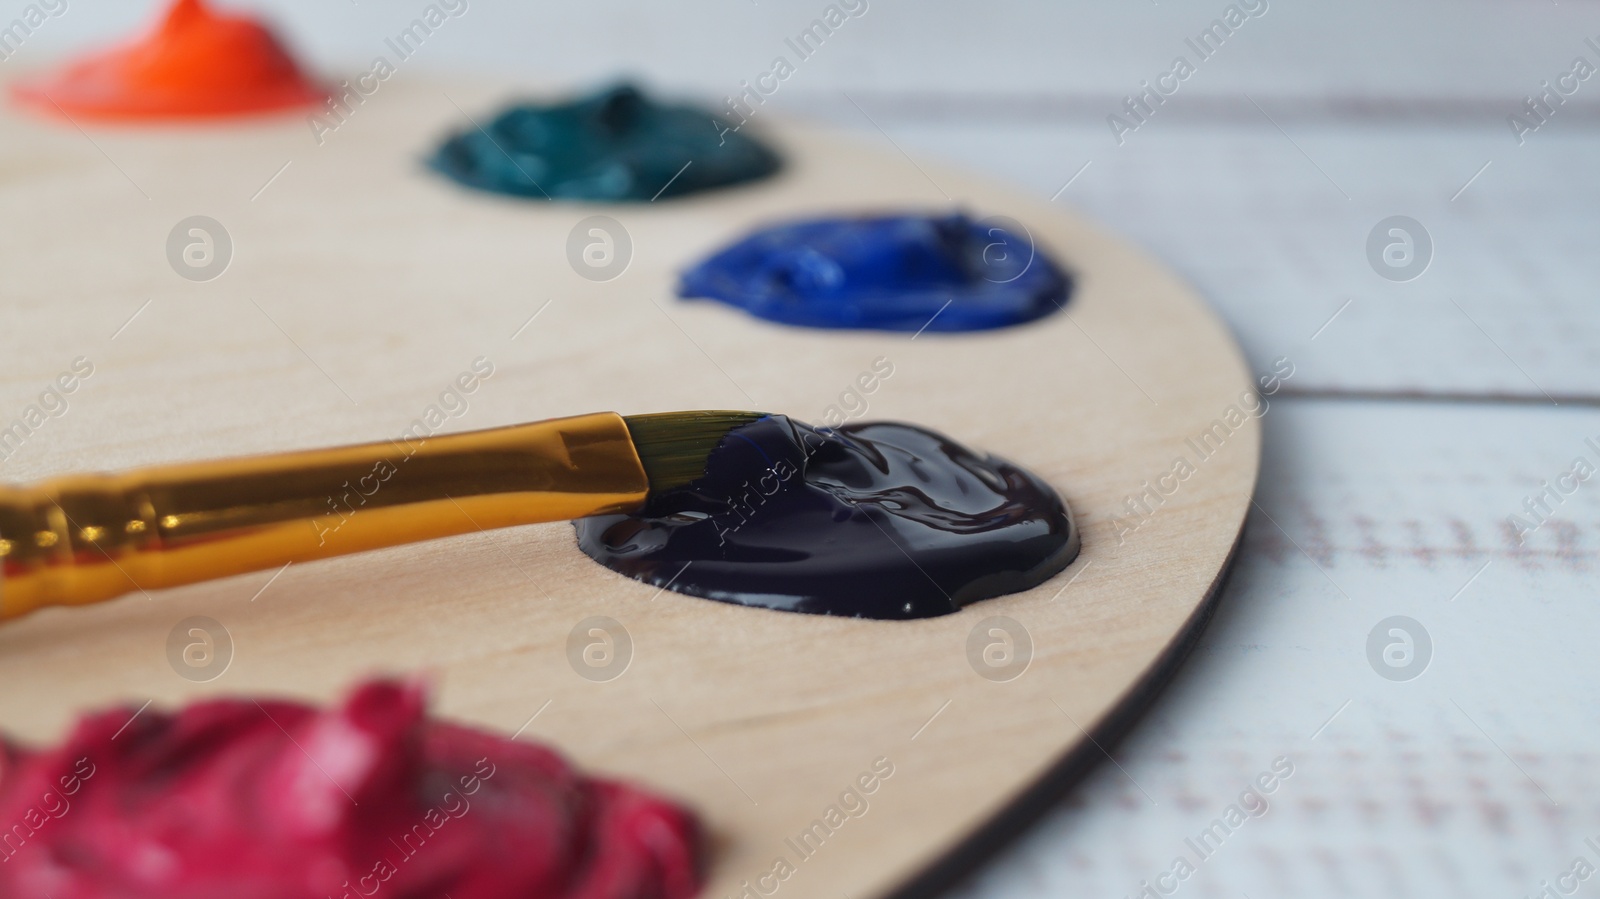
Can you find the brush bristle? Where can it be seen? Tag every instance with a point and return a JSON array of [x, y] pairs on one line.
[[674, 445]]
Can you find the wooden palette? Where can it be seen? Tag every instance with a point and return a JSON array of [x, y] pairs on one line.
[[360, 287]]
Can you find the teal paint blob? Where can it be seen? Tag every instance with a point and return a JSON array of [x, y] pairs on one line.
[[617, 145], [889, 272]]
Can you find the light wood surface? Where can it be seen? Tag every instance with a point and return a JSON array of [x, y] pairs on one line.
[[361, 287]]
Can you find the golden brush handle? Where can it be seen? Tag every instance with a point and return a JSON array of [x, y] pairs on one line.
[[86, 538]]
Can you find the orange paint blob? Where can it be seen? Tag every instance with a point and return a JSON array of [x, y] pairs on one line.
[[198, 64]]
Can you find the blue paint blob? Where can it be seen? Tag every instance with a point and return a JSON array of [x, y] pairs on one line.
[[890, 273], [616, 145]]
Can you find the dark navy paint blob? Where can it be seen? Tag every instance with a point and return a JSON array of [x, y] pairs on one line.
[[892, 273], [615, 145], [871, 520]]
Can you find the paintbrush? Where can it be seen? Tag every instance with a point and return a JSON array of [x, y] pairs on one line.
[[86, 538]]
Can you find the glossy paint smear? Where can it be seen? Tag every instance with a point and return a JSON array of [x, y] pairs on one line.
[[613, 146], [197, 63], [279, 800], [890, 272], [870, 520]]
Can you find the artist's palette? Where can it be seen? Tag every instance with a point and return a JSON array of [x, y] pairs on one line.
[[361, 286]]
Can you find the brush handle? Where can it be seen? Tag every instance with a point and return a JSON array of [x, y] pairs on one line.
[[86, 538]]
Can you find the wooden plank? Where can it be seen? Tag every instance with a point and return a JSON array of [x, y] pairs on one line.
[[1477, 777], [1366, 48], [1268, 236]]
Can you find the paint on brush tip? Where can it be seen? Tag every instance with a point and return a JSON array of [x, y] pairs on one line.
[[890, 272], [198, 63], [869, 520], [248, 798], [616, 145]]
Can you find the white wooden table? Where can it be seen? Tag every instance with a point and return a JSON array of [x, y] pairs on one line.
[[1419, 417]]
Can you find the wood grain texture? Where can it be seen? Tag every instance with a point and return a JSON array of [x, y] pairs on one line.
[[361, 286], [1477, 778]]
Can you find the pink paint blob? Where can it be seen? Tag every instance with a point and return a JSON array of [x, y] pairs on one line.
[[280, 800]]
